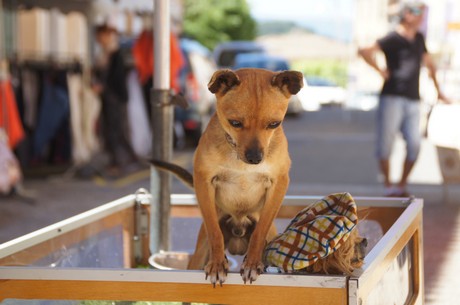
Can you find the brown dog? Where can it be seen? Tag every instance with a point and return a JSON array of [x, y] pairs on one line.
[[241, 168]]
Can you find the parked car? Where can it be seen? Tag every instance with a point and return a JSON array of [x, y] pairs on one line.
[[363, 100], [324, 92], [225, 53], [194, 77], [272, 63]]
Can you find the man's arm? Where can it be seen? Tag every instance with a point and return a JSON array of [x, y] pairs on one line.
[[429, 63], [368, 54]]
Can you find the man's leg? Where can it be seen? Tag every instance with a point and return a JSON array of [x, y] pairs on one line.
[[385, 171], [407, 168], [389, 116], [412, 135]]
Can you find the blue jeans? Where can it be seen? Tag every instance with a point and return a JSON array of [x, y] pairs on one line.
[[398, 114]]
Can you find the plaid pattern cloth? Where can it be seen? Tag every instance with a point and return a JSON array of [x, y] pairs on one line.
[[316, 232]]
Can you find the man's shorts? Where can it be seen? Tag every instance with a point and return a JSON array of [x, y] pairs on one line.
[[398, 114]]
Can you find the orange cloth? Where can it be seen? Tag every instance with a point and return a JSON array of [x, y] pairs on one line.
[[13, 123], [144, 59]]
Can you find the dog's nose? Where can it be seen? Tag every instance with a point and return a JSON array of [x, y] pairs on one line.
[[254, 156]]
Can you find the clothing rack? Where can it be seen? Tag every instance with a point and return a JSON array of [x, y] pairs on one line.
[[74, 66]]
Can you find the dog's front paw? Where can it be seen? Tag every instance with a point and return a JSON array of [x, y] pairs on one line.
[[250, 270], [217, 270]]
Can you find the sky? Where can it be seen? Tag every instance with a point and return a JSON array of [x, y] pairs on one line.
[[332, 18]]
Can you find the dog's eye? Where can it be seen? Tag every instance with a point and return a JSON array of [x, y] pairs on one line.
[[273, 125], [235, 123]]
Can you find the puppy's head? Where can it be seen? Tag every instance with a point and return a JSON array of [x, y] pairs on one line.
[[251, 105], [237, 232]]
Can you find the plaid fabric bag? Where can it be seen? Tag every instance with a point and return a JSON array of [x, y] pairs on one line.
[[316, 232]]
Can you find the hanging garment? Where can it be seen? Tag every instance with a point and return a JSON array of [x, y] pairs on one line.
[[30, 92], [84, 112], [9, 32], [91, 112], [9, 116], [144, 58], [77, 29], [54, 109], [129, 22], [58, 34], [141, 136], [80, 153], [33, 33]]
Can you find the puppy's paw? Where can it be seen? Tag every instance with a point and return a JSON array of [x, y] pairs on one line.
[[217, 271], [250, 270]]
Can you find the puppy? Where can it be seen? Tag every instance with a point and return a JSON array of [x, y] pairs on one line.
[[241, 168]]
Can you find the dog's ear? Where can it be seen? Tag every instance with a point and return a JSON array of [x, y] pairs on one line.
[[289, 82], [222, 81]]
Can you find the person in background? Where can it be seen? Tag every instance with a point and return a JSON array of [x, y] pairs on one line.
[[399, 101], [111, 72], [143, 54]]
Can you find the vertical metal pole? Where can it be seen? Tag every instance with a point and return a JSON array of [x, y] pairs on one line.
[[162, 124]]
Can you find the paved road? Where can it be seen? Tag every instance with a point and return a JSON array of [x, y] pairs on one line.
[[331, 151]]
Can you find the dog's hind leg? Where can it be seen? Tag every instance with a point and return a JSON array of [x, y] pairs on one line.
[[201, 255]]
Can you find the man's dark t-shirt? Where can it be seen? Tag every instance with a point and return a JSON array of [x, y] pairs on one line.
[[404, 60]]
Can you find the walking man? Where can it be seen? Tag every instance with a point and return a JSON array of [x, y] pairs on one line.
[[399, 101]]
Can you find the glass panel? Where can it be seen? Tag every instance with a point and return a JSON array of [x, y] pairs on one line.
[[372, 231], [397, 284], [106, 243], [103, 250]]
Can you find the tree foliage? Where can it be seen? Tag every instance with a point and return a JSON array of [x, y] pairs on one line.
[[215, 21]]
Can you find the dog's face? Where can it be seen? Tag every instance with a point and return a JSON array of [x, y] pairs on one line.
[[251, 105], [237, 233]]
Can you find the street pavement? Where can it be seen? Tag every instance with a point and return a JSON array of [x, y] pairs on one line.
[[331, 151]]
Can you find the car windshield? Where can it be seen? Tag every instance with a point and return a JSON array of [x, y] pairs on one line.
[[227, 58], [320, 82], [269, 65], [260, 60]]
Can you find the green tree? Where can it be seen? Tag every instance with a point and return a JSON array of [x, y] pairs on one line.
[[215, 21]]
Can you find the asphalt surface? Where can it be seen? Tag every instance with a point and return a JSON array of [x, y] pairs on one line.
[[331, 151]]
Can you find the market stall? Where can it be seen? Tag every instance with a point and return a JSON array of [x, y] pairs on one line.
[[102, 254]]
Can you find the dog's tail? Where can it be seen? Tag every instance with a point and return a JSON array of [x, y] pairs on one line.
[[180, 172]]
